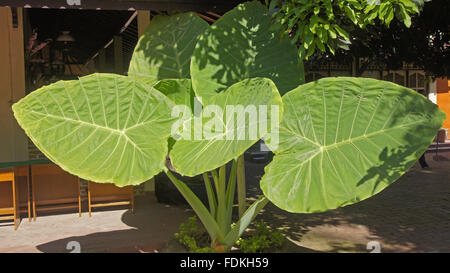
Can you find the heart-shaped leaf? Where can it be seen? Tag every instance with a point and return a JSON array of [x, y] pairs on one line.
[[242, 45], [233, 121], [102, 127], [165, 48], [343, 140]]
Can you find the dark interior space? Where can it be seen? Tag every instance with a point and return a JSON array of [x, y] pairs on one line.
[[91, 29], [62, 44]]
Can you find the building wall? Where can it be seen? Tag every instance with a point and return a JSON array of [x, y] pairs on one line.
[[13, 141], [443, 99]]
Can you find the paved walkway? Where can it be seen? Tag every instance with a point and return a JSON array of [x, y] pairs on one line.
[[148, 230], [412, 215]]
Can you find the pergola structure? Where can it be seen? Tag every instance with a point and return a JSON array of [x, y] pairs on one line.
[[99, 24], [44, 41], [86, 17], [104, 35]]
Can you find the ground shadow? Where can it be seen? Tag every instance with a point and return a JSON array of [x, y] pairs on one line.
[[410, 215], [149, 229]]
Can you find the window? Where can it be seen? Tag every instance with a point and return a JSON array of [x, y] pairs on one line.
[[313, 76], [373, 74], [397, 77], [417, 81]]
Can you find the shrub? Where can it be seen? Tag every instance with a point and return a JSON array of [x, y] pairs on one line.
[[261, 239]]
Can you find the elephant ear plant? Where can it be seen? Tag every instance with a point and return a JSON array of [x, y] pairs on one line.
[[337, 141]]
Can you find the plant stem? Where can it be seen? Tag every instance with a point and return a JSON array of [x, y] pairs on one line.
[[211, 196], [222, 202], [216, 179], [241, 185], [202, 212], [231, 188], [244, 221]]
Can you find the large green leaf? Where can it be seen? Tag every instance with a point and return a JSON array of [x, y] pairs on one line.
[[242, 45], [102, 127], [343, 140], [165, 48], [178, 90], [203, 153]]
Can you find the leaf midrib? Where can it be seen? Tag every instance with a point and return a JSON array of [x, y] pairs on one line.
[[97, 126], [80, 121], [347, 141]]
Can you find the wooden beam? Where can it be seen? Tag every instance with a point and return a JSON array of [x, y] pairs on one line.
[[165, 5], [206, 17], [214, 14], [143, 20]]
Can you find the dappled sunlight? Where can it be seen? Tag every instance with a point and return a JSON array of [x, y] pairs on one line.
[[242, 45], [164, 51], [409, 216]]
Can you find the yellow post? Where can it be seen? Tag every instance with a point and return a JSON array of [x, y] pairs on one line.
[[143, 20], [13, 141]]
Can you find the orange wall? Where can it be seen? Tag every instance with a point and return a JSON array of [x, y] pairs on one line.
[[443, 98]]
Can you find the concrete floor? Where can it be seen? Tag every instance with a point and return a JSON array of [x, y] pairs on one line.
[[149, 229], [412, 215]]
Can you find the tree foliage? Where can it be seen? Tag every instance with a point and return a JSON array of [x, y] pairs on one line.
[[325, 25], [425, 44]]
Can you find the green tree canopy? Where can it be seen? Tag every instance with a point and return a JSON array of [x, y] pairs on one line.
[[425, 43], [325, 25]]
